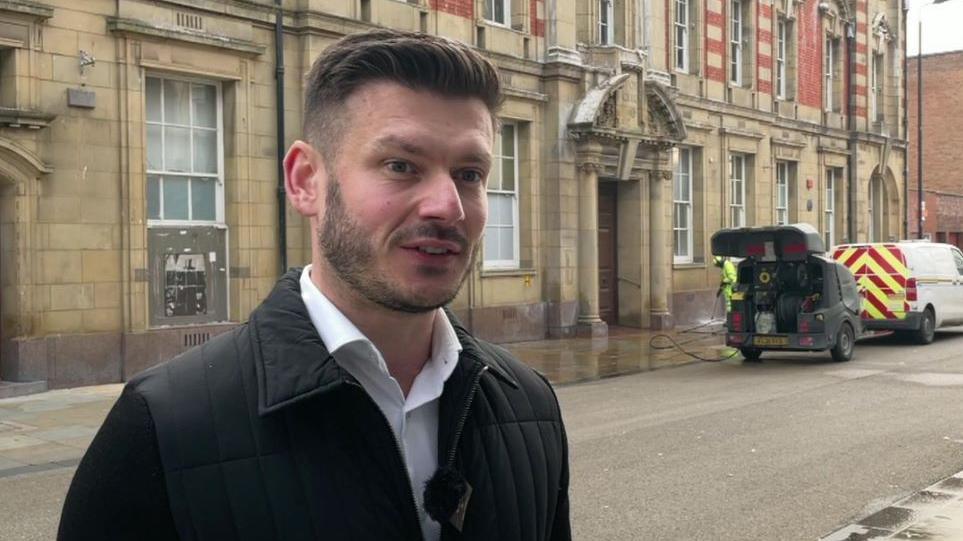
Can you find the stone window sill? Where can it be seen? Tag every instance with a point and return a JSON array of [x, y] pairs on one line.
[[499, 273]]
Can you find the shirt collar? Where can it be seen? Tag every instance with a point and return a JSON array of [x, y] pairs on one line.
[[334, 328], [337, 332]]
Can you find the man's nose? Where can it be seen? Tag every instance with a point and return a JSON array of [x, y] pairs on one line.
[[441, 200]]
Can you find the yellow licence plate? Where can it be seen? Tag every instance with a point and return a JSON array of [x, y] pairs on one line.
[[770, 341]]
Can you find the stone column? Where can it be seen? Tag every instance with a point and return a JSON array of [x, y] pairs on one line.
[[589, 323], [659, 258]]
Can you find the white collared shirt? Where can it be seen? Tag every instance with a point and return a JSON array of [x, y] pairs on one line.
[[413, 419]]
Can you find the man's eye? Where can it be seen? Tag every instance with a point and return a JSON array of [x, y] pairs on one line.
[[470, 175], [399, 167]]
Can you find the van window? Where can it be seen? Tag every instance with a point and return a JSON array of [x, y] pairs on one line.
[[958, 261], [937, 260]]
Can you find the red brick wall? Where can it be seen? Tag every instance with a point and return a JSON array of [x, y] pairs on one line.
[[942, 121], [716, 19], [944, 214], [538, 24], [809, 55], [462, 8], [466, 8], [764, 35]]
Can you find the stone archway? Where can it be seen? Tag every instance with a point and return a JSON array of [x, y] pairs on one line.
[[883, 197], [625, 127], [20, 170]]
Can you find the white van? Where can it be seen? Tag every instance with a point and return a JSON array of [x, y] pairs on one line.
[[909, 286]]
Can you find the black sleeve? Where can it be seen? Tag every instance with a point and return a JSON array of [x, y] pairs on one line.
[[118, 490], [562, 528]]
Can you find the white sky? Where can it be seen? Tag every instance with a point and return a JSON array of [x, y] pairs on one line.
[[942, 26]]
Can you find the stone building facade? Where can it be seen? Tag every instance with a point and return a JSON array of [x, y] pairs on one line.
[[138, 158], [942, 137]]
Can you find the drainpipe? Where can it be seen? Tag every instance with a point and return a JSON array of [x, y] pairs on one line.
[[851, 161], [279, 87], [905, 10]]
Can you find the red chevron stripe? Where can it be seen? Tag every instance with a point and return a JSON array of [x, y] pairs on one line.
[[880, 283], [854, 258], [881, 307], [878, 258]]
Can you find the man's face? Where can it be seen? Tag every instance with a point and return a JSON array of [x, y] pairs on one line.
[[405, 201]]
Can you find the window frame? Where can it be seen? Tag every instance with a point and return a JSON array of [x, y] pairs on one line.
[[829, 74], [683, 154], [506, 12], [876, 91], [736, 40], [606, 22], [782, 193], [681, 42], [515, 262], [219, 195], [829, 208], [734, 207], [782, 40]]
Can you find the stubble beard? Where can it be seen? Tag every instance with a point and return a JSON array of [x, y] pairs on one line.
[[349, 253]]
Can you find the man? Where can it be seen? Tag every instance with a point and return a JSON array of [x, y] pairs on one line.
[[351, 405], [727, 280]]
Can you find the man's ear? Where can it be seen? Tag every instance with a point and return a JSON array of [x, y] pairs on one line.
[[304, 178]]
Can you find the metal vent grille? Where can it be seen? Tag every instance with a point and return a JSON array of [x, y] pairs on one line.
[[196, 338], [188, 20]]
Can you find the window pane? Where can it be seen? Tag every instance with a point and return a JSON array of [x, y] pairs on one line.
[[176, 96], [175, 198], [153, 91], [155, 145], [491, 244], [204, 100], [508, 140], [205, 151], [508, 174], [177, 149], [202, 199], [500, 209], [153, 197], [506, 243], [682, 242], [500, 11]]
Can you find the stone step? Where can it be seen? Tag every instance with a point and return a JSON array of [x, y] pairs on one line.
[[10, 389]]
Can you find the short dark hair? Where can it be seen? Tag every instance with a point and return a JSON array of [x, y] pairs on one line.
[[417, 61]]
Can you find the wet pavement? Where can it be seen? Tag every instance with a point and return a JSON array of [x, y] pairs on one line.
[[624, 351], [53, 429], [932, 514]]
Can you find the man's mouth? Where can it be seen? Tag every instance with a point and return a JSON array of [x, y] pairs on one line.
[[434, 247]]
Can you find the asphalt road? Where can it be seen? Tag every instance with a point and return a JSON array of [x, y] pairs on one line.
[[792, 448]]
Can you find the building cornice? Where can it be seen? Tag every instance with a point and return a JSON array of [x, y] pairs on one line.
[[143, 28], [35, 10]]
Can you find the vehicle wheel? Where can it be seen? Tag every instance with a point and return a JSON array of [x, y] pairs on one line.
[[751, 354], [845, 342], [924, 335]]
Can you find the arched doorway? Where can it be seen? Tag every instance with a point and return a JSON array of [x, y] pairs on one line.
[[877, 209], [20, 170], [883, 206]]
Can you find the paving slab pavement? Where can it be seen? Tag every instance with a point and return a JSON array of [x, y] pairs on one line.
[[932, 514]]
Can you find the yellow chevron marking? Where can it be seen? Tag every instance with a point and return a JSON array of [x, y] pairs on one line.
[[893, 261], [847, 253], [877, 270]]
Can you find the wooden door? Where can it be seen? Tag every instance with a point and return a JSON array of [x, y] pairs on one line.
[[608, 254]]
